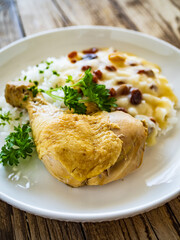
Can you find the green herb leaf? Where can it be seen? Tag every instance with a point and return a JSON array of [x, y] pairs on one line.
[[96, 93], [69, 79], [93, 92], [71, 100], [19, 144], [5, 118], [25, 98], [36, 83], [49, 63], [20, 115], [34, 90], [55, 73], [41, 71]]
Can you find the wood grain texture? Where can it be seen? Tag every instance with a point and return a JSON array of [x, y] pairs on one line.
[[41, 228], [6, 228], [150, 16], [160, 18], [11, 28]]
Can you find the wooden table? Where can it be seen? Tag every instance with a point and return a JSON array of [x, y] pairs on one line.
[[160, 18]]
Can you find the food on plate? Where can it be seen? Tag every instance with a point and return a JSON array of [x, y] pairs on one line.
[[81, 149], [91, 113]]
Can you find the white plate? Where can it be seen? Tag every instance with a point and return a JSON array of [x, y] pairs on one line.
[[154, 183]]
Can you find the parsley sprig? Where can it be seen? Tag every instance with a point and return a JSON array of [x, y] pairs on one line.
[[89, 92], [5, 118], [34, 89], [96, 93], [71, 98], [19, 144]]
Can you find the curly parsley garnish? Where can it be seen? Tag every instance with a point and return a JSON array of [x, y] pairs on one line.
[[56, 73], [96, 93], [5, 118], [89, 92], [72, 100], [20, 115], [49, 63], [69, 79], [19, 144], [34, 89]]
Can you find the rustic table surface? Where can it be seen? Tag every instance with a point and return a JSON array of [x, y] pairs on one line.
[[160, 18]]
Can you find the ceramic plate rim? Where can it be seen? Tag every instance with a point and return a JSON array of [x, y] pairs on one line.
[[94, 217]]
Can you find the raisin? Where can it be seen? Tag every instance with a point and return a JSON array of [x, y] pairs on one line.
[[123, 90], [89, 56], [73, 61], [121, 109], [120, 82], [112, 92], [147, 72], [95, 79], [72, 54], [136, 96], [110, 68], [91, 50], [133, 64], [152, 119], [154, 87], [98, 74], [84, 68]]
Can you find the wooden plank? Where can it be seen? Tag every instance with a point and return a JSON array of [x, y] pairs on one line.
[[174, 214], [175, 208], [91, 12], [176, 3], [41, 228], [162, 223], [105, 230], [48, 14], [37, 227], [65, 230], [39, 15], [6, 228], [151, 16], [159, 18], [11, 28], [20, 227], [138, 227]]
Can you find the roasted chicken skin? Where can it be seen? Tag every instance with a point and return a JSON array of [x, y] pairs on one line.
[[81, 149]]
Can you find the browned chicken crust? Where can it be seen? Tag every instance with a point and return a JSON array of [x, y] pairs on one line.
[[81, 149]]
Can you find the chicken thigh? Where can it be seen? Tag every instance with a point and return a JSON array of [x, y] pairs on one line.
[[81, 149]]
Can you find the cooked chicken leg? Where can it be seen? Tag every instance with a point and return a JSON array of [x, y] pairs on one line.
[[81, 149]]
